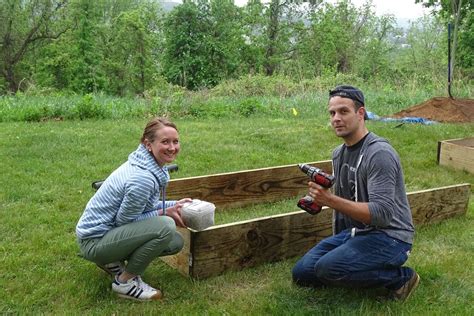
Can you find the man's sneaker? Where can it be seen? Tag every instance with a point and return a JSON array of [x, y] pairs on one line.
[[136, 289], [405, 291], [113, 269]]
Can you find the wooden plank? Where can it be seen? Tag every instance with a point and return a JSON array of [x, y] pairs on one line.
[[181, 260], [436, 205], [457, 153], [249, 243], [242, 188], [246, 244]]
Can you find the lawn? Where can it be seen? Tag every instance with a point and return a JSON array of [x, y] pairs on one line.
[[47, 170]]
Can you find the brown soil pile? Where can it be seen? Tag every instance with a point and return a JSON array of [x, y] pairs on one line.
[[442, 109]]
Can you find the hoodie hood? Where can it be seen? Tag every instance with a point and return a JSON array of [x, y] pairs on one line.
[[144, 160], [371, 138]]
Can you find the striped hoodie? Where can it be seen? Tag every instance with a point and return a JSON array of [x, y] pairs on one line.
[[131, 193]]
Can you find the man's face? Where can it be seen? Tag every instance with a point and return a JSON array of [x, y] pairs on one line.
[[345, 120]]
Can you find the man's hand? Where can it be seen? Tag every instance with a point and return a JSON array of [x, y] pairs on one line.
[[324, 197], [175, 211], [321, 196]]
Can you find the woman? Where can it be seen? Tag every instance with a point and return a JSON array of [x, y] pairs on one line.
[[124, 227]]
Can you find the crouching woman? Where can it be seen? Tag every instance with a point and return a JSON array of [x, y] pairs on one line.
[[128, 223]]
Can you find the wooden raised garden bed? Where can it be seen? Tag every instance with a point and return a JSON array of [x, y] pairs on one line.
[[248, 243], [457, 153]]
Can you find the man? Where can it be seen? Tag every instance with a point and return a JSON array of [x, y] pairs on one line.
[[373, 227]]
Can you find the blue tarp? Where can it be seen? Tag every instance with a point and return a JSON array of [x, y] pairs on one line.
[[408, 119]]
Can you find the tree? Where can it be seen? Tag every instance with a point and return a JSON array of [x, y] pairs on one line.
[[283, 19], [466, 45], [253, 50], [337, 34], [423, 56], [132, 58], [374, 56], [26, 24], [87, 73], [458, 12], [111, 47], [202, 42]]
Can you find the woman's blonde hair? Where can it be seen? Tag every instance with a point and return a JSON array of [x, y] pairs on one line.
[[152, 126]]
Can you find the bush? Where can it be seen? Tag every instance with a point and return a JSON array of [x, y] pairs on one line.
[[249, 106], [88, 108], [245, 97], [259, 85]]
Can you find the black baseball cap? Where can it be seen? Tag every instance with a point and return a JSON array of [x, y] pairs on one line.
[[350, 92]]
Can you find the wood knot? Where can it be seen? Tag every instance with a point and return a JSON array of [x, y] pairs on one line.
[[253, 238]]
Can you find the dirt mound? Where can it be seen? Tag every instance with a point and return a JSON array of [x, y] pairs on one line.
[[442, 109]]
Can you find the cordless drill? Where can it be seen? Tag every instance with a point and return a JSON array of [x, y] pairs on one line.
[[319, 177]]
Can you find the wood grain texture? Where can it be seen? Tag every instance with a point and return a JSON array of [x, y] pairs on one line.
[[250, 243], [236, 189], [181, 260], [244, 244], [457, 154], [435, 205]]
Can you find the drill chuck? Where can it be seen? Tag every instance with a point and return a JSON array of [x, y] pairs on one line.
[[317, 175]]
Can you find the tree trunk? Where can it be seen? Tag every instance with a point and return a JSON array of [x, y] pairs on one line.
[[15, 45], [457, 15], [9, 75], [273, 26]]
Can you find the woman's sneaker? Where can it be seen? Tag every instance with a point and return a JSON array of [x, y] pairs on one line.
[[113, 269], [136, 289]]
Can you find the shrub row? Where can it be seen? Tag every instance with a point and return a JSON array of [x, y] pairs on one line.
[[247, 96]]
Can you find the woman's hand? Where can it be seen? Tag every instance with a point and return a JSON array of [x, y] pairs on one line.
[[175, 211]]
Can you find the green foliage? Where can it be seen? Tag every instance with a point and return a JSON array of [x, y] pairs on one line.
[[201, 43], [259, 85], [163, 89], [25, 27], [253, 49], [87, 108], [132, 58], [426, 49], [209, 109], [111, 47], [87, 74], [248, 107], [376, 55], [466, 45], [127, 48], [344, 39], [460, 15], [54, 68], [245, 97]]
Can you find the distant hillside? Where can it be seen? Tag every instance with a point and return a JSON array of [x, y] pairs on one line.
[[168, 5], [404, 23]]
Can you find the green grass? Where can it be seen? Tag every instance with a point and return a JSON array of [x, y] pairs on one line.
[[47, 170]]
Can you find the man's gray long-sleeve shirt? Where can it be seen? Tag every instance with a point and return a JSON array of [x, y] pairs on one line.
[[378, 181]]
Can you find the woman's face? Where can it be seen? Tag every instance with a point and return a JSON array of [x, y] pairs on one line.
[[166, 145]]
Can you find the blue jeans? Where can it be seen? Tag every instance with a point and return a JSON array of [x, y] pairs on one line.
[[367, 260]]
